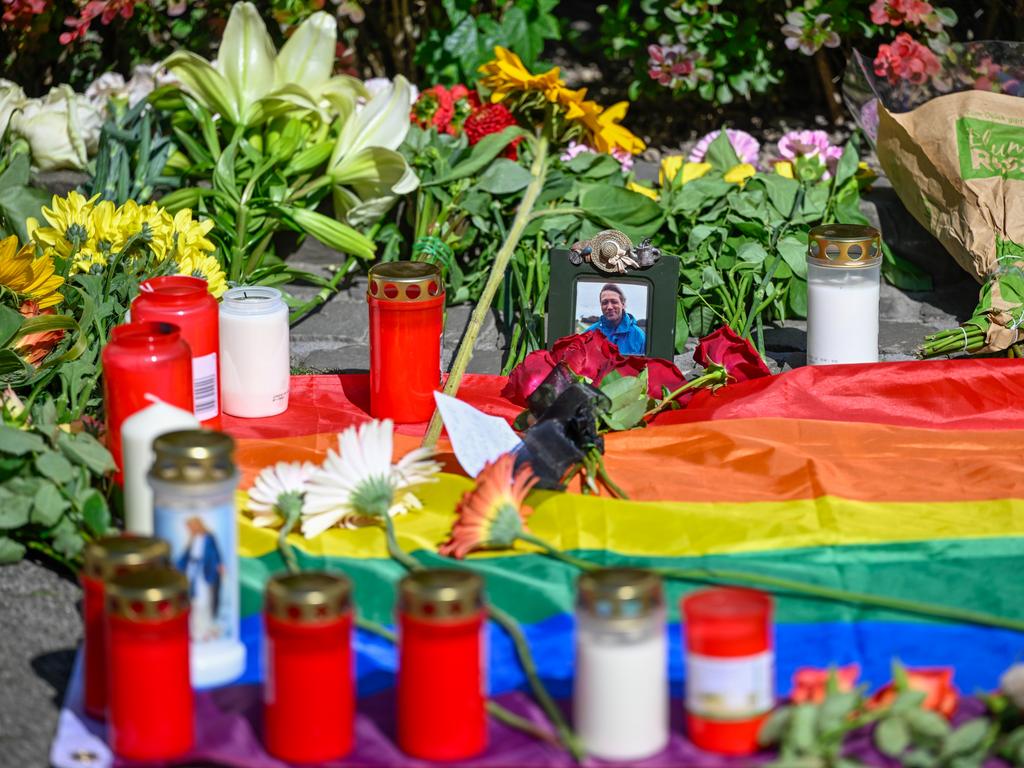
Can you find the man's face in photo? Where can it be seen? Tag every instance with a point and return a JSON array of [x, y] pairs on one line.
[[612, 307]]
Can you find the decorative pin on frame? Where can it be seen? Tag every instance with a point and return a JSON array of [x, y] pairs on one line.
[[627, 292]]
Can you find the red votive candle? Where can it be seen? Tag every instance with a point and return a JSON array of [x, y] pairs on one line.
[[730, 668], [150, 710], [103, 559], [186, 302], [143, 359], [406, 300], [309, 691], [441, 701]]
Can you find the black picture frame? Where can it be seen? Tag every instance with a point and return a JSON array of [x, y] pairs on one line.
[[661, 280]]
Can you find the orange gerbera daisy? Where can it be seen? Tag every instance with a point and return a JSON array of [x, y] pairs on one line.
[[492, 515], [34, 347]]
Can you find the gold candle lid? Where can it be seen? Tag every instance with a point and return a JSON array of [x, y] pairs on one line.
[[113, 555], [193, 456], [618, 594], [844, 245], [405, 281], [151, 594], [309, 596], [441, 594]]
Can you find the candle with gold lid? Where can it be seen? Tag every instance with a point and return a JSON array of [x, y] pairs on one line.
[[151, 707], [309, 691], [406, 306], [103, 559], [621, 696], [843, 269], [441, 699]]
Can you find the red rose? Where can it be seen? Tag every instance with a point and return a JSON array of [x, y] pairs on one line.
[[811, 685], [589, 354], [936, 684], [661, 374], [528, 375], [740, 360], [491, 118]]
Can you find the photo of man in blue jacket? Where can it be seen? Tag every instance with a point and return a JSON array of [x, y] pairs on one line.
[[617, 324]]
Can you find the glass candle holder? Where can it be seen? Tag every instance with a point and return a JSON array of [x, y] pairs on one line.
[[621, 695], [844, 262], [151, 708], [142, 361], [406, 304], [309, 691], [194, 480], [730, 668], [103, 559], [186, 302], [254, 363], [441, 697]]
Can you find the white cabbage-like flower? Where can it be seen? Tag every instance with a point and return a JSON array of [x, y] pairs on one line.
[[271, 484], [1012, 684], [359, 484], [62, 129], [12, 97]]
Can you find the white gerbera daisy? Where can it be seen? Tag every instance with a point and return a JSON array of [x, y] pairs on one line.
[[278, 488], [359, 484]]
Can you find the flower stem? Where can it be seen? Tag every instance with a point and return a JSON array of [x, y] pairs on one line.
[[602, 473], [557, 554], [497, 711], [465, 352], [711, 378], [506, 622], [287, 553]]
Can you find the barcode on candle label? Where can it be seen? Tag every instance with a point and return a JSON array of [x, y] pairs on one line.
[[204, 386], [730, 688]]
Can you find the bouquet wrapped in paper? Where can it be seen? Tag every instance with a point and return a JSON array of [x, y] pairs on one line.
[[949, 132]]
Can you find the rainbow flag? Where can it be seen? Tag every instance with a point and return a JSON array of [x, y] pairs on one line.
[[899, 479]]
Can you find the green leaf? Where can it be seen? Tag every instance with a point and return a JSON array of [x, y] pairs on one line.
[[847, 166], [19, 442], [892, 736], [752, 252], [95, 512], [332, 233], [504, 177], [835, 709], [54, 466], [804, 726], [903, 274], [947, 16], [10, 322], [10, 551], [48, 505], [85, 449], [781, 191], [927, 724], [798, 297], [17, 204], [14, 509], [637, 216], [68, 540], [775, 726], [603, 167], [488, 148], [967, 738], [721, 154], [794, 253]]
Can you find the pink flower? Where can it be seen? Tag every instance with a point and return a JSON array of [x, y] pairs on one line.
[[811, 144], [21, 13], [675, 66], [906, 59], [575, 149], [896, 12], [746, 146], [625, 158], [105, 10]]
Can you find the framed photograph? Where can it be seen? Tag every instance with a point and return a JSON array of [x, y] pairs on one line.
[[634, 307]]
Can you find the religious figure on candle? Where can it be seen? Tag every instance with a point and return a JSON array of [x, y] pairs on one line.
[[201, 561]]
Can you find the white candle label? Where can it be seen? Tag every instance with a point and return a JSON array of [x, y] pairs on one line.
[[204, 386], [730, 688]]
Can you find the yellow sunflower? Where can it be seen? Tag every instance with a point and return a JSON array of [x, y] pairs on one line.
[[189, 237], [208, 268], [70, 224], [28, 275], [608, 135], [507, 74]]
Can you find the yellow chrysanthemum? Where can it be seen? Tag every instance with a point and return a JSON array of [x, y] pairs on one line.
[[640, 189], [739, 174], [189, 237], [607, 134], [670, 169], [155, 224], [208, 268], [70, 224], [507, 74], [785, 168], [109, 234], [28, 275]]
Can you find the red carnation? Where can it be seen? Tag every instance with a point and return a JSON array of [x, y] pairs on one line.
[[492, 118], [435, 107]]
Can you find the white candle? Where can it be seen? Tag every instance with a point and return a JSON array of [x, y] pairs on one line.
[[137, 435], [254, 364], [621, 696]]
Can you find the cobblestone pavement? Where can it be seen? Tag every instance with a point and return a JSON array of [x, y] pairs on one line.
[[39, 623]]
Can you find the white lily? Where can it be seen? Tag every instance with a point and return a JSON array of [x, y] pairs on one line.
[[359, 484], [368, 171], [251, 82]]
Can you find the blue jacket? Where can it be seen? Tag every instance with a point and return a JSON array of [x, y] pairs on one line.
[[627, 335]]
